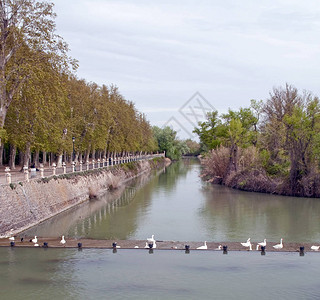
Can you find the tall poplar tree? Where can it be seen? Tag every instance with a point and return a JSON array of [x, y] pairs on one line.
[[27, 36]]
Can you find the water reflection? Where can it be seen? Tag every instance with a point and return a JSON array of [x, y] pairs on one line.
[[175, 204], [99, 218], [235, 215]]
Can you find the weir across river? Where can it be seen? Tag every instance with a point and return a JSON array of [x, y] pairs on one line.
[[142, 244]]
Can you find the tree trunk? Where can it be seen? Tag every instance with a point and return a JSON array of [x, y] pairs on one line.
[[36, 158], [12, 159], [232, 164], [51, 158], [93, 154], [44, 158], [26, 156], [59, 162], [1, 154], [87, 155]]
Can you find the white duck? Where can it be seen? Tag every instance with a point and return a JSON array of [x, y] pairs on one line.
[[315, 248], [35, 240], [278, 246], [63, 241], [247, 243], [11, 238], [204, 246], [264, 244], [151, 240]]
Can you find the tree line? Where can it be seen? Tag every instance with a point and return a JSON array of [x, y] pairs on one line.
[[43, 105], [271, 146]]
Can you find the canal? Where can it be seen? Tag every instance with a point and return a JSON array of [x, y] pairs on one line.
[[175, 204], [172, 204]]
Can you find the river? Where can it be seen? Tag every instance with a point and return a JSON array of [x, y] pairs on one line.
[[172, 204], [175, 204]]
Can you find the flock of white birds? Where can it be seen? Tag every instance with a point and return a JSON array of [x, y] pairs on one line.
[[151, 243]]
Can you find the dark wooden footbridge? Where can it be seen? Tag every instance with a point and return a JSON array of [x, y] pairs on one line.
[[142, 244]]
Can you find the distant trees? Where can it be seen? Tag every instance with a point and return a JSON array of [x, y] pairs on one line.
[[282, 136], [167, 140]]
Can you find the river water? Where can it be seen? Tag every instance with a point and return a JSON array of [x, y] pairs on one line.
[[175, 204], [172, 204]]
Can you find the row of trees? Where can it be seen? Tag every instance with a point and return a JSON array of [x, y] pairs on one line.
[[271, 146], [43, 105]]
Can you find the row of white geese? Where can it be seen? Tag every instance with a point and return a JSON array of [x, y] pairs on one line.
[[249, 245], [35, 240], [152, 241]]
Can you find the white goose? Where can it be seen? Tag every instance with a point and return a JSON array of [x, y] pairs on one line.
[[278, 246], [146, 246], [151, 240], [204, 246], [35, 240], [247, 243], [264, 244], [63, 241], [315, 248], [11, 237]]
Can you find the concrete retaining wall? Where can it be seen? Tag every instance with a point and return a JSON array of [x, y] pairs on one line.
[[23, 206]]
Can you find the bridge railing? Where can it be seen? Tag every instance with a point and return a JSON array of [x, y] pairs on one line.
[[29, 174]]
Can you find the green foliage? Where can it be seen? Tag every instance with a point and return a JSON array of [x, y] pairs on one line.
[[168, 142], [287, 140]]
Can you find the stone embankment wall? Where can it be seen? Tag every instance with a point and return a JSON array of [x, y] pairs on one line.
[[27, 204]]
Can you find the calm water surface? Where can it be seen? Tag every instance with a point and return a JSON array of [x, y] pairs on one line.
[[175, 204], [38, 273]]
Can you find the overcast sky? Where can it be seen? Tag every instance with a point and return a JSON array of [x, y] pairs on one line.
[[161, 53]]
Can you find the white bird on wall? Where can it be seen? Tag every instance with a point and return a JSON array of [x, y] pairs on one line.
[[204, 246], [264, 244], [278, 246], [63, 241], [247, 243], [151, 240], [35, 240], [11, 238], [315, 248]]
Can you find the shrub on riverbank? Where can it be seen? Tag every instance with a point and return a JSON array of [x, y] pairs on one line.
[[252, 176]]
